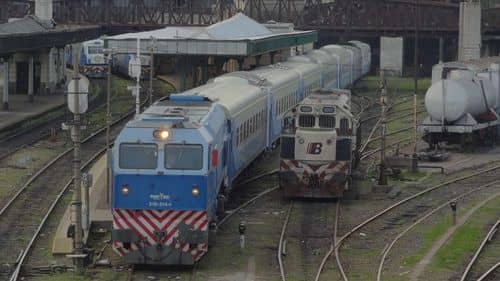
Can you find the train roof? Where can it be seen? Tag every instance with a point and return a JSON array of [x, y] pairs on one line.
[[302, 67], [232, 92], [276, 74], [338, 97], [98, 42], [322, 55]]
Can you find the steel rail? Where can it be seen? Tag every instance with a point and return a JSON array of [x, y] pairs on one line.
[[488, 272], [333, 249], [371, 152], [397, 204], [282, 240], [252, 179], [337, 255], [420, 220], [57, 158], [253, 199], [481, 247], [15, 274]]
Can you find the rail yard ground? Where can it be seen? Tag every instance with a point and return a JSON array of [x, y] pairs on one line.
[[433, 249]]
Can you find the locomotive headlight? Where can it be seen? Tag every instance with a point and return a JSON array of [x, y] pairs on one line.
[[195, 191], [125, 190], [301, 141], [161, 134]]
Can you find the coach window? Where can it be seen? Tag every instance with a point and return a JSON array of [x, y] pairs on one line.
[[184, 156], [242, 132], [344, 126], [237, 136], [138, 156]]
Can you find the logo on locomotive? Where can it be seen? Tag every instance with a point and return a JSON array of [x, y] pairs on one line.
[[314, 148]]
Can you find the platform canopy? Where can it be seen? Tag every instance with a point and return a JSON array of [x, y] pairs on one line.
[[236, 36], [31, 33]]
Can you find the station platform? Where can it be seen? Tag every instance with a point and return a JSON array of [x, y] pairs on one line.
[[21, 109], [100, 214]]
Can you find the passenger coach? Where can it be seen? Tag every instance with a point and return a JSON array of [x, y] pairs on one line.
[[173, 165]]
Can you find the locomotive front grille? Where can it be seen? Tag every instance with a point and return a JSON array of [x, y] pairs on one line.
[[327, 122], [307, 121]]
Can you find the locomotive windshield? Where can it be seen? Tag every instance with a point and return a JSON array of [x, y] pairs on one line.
[[183, 156], [138, 156], [95, 50]]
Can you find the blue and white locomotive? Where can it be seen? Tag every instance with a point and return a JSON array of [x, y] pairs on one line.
[[92, 61], [172, 164]]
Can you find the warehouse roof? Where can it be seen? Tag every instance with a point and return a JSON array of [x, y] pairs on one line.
[[30, 33], [236, 36]]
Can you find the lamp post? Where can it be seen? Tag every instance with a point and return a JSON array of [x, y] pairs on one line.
[[382, 179], [414, 160], [77, 104], [109, 53], [151, 71]]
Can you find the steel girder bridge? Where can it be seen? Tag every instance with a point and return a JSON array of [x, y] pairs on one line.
[[350, 17]]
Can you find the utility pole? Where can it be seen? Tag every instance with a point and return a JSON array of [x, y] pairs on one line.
[[76, 204], [382, 179], [414, 160], [138, 78], [151, 71], [108, 121]]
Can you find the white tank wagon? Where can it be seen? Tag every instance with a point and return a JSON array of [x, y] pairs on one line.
[[463, 103]]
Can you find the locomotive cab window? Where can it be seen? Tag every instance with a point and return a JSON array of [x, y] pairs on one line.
[[307, 120], [327, 121], [93, 50], [344, 126], [138, 156], [183, 156]]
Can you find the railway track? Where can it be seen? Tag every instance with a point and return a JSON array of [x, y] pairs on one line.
[[26, 212], [35, 130], [314, 231], [490, 238], [425, 217], [461, 184]]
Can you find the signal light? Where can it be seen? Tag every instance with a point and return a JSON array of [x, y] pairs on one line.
[[161, 134], [215, 158]]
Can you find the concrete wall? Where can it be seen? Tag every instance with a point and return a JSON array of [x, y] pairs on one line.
[[469, 37], [391, 54]]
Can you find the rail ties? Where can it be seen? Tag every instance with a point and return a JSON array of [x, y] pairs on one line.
[[396, 205], [422, 219], [481, 247], [282, 242], [45, 181]]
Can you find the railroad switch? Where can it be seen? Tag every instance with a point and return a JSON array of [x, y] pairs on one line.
[[453, 206], [242, 228]]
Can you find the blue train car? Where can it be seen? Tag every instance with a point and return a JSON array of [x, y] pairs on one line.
[[92, 61], [172, 166]]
